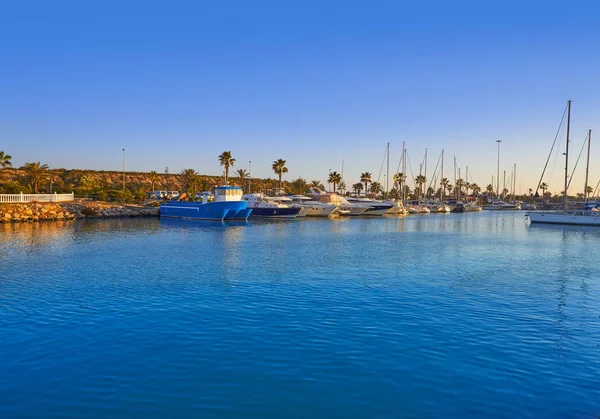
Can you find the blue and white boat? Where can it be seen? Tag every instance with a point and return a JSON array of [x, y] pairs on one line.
[[266, 207], [226, 204]]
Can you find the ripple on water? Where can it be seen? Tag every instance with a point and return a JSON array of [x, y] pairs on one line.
[[448, 315]]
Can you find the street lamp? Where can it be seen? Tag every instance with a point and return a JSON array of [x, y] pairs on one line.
[[123, 168], [249, 176]]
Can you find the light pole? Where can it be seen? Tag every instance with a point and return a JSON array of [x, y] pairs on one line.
[[123, 168], [498, 172], [249, 176]]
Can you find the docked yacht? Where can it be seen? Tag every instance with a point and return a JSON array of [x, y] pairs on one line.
[[438, 207], [375, 207], [264, 207], [343, 206], [226, 204], [502, 206], [417, 208], [288, 201], [472, 207], [314, 208]]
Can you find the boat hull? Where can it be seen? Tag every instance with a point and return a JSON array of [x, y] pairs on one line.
[[581, 218], [213, 211], [275, 212], [378, 210], [320, 211]]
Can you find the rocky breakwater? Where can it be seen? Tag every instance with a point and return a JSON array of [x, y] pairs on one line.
[[106, 210], [69, 211], [33, 212]]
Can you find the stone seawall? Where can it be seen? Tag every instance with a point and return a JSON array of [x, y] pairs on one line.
[[31, 212]]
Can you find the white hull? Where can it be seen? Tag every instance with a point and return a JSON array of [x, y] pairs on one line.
[[474, 208], [377, 212], [583, 218], [318, 211], [303, 211], [352, 210]]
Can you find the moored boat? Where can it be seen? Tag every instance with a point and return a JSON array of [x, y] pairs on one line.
[[502, 206], [315, 208], [226, 204], [263, 207]]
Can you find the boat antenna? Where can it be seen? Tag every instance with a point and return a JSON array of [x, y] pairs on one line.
[[567, 153]]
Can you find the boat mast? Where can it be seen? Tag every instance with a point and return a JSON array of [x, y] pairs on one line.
[[514, 181], [425, 183], [403, 174], [567, 153], [467, 182], [459, 186], [498, 173], [387, 179], [442, 181], [587, 168], [455, 177]]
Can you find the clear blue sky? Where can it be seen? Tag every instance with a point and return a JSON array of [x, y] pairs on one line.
[[313, 82]]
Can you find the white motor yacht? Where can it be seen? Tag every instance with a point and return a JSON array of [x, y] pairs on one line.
[[314, 208], [375, 207], [502, 206], [344, 207]]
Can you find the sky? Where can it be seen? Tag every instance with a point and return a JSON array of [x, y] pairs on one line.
[[316, 83]]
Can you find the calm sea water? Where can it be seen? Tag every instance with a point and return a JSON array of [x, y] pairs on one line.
[[452, 316]]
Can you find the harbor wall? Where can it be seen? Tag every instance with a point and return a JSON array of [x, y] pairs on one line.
[[34, 212]]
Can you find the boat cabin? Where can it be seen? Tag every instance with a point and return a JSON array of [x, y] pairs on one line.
[[227, 194]]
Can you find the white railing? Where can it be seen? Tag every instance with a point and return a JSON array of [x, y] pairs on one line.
[[18, 198]]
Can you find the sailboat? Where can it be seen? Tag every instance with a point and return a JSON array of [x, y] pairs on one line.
[[589, 216]]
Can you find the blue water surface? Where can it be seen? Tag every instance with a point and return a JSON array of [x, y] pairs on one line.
[[437, 316]]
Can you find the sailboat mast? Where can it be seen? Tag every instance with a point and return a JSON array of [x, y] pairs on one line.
[[467, 182], [403, 174], [459, 186], [503, 184], [587, 168], [442, 180], [425, 183], [454, 176], [387, 179], [567, 154], [514, 181]]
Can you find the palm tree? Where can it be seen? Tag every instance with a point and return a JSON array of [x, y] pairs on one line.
[[490, 190], [376, 188], [226, 161], [279, 168], [419, 182], [445, 184], [366, 179], [475, 188], [36, 174], [357, 188], [589, 191], [5, 160], [242, 173], [189, 180], [317, 184], [543, 187], [335, 178], [299, 186], [154, 178]]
